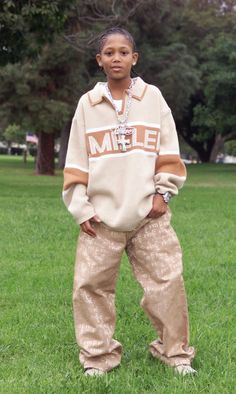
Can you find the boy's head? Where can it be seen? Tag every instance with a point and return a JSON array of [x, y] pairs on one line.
[[116, 53]]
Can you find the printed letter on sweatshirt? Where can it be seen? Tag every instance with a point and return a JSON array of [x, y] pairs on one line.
[[96, 148]]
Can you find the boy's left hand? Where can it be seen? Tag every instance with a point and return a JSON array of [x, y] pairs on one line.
[[159, 207]]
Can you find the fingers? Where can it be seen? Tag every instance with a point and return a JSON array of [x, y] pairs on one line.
[[88, 229], [159, 207]]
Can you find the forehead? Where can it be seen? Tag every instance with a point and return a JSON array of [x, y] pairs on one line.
[[116, 40]]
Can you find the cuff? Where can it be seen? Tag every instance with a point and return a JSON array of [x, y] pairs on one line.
[[85, 217]]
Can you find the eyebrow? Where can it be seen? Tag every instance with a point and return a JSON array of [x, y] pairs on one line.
[[123, 47]]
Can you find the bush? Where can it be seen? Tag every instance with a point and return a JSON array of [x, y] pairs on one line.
[[230, 148], [16, 151], [3, 150]]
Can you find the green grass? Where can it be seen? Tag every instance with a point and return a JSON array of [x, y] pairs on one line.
[[37, 247]]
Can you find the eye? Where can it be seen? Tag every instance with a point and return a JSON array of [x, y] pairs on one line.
[[108, 53], [124, 53]]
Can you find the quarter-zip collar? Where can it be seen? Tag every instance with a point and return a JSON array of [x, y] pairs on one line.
[[97, 94]]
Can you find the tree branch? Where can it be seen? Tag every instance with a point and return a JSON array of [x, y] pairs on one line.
[[230, 136], [71, 40], [95, 13]]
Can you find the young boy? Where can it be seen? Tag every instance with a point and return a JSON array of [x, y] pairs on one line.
[[122, 167]]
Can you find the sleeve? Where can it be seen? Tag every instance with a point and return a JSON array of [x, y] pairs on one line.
[[76, 171], [170, 171]]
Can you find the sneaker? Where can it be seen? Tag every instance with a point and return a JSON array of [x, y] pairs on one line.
[[94, 372], [184, 369]]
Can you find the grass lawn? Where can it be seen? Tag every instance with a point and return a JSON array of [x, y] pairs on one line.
[[37, 247]]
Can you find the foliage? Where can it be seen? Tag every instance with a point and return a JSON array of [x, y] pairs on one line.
[[230, 148], [219, 80], [174, 71], [14, 133], [26, 102], [208, 31], [33, 94], [25, 26]]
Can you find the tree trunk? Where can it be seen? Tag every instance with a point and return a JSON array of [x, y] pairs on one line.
[[203, 153], [217, 147], [45, 154], [63, 145], [202, 149]]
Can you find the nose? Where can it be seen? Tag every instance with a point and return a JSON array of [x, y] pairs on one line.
[[116, 57]]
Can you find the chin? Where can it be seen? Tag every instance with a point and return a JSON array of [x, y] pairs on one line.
[[118, 76]]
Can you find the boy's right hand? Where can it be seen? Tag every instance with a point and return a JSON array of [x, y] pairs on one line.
[[87, 226], [159, 207]]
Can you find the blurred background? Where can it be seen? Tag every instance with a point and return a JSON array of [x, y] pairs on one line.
[[47, 61]]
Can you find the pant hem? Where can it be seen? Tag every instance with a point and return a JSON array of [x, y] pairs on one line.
[[171, 362]]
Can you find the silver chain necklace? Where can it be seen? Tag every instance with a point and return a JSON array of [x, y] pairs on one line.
[[121, 131]]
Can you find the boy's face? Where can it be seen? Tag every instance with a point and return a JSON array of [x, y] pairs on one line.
[[117, 57]]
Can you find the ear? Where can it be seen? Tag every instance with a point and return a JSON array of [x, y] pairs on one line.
[[135, 58], [99, 61]]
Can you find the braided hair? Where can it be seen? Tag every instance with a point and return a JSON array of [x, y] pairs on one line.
[[115, 30]]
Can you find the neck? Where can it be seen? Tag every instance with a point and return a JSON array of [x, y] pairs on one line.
[[117, 87]]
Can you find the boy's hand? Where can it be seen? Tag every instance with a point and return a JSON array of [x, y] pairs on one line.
[[87, 226], [159, 207]]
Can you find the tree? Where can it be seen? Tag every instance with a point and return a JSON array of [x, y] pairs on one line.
[[216, 116], [40, 97], [25, 28], [207, 29], [230, 148], [13, 133]]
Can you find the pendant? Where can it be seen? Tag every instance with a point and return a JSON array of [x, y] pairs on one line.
[[123, 142], [120, 130], [123, 130], [129, 130]]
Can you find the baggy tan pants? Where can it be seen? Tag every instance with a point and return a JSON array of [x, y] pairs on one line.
[[155, 255]]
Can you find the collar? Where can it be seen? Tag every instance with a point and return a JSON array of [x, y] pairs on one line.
[[97, 94]]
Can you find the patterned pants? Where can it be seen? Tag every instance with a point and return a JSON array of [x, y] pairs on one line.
[[155, 255]]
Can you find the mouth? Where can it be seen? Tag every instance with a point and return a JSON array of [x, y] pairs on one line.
[[116, 68]]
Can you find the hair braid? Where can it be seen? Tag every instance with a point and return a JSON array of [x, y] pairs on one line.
[[115, 30]]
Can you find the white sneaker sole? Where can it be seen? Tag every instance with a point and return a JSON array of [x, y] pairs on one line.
[[93, 372], [185, 370]]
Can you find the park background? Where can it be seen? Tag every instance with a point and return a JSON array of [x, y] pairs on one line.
[[188, 49]]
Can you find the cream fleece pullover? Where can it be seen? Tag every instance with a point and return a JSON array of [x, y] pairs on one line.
[[119, 186]]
